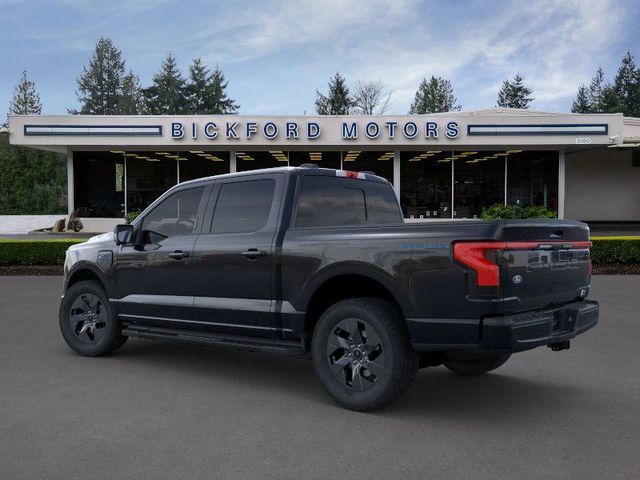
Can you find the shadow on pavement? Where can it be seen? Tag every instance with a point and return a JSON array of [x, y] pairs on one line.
[[436, 391]]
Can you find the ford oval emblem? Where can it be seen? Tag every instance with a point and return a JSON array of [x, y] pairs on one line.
[[517, 279]]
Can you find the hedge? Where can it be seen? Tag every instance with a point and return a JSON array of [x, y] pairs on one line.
[[51, 252], [615, 250], [35, 252]]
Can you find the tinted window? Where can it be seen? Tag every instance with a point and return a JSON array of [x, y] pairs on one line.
[[175, 215], [243, 206], [326, 201]]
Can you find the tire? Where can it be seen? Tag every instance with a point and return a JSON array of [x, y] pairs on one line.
[[362, 355], [88, 322], [472, 363]]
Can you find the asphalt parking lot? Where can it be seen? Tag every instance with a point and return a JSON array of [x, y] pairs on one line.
[[159, 410]]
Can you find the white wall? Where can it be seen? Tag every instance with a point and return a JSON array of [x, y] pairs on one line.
[[602, 184], [27, 223]]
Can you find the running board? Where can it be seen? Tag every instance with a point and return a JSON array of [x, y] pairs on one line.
[[289, 347]]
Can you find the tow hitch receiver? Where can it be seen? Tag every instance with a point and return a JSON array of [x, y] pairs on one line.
[[557, 346]]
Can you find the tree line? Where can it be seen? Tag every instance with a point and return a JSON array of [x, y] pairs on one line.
[[622, 95], [106, 87]]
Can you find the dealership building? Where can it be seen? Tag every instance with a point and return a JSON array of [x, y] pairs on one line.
[[442, 166]]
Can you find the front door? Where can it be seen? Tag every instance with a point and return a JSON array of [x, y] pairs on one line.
[[234, 255], [155, 275]]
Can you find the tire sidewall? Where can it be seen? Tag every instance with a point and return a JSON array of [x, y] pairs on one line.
[[340, 392], [112, 328]]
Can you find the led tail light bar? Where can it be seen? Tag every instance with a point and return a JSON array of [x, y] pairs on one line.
[[473, 255]]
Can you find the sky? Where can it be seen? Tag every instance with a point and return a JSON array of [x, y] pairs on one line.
[[276, 54]]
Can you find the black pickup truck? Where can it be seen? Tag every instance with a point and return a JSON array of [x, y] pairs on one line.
[[317, 261]]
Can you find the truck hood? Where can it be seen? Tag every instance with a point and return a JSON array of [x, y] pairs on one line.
[[104, 239]]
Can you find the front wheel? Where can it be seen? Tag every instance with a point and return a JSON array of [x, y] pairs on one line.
[[362, 354], [87, 321]]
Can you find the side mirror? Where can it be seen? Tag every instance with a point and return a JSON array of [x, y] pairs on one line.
[[123, 234]]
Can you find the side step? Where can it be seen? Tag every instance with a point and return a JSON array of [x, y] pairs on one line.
[[277, 345]]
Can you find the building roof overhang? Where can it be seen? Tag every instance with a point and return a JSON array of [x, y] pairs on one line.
[[477, 128]]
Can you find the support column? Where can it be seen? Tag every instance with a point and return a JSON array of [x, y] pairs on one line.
[[232, 161], [396, 172], [126, 206], [561, 182], [506, 169], [453, 183], [70, 191]]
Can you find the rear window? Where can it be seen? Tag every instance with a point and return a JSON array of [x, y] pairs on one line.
[[243, 207], [333, 201]]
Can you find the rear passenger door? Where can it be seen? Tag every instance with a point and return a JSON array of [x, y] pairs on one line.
[[234, 259]]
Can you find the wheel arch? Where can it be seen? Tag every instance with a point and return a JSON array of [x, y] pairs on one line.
[[347, 282], [84, 271]]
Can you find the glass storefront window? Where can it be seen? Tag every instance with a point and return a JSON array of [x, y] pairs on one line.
[[149, 175], [478, 182], [532, 178], [99, 184], [321, 158], [426, 184], [201, 163], [250, 160], [380, 163]]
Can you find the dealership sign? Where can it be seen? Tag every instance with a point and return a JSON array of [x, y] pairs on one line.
[[348, 130]]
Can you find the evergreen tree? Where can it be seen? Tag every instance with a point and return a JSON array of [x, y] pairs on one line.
[[337, 101], [31, 181], [609, 101], [130, 101], [514, 93], [167, 96], [26, 100], [581, 104], [206, 92], [99, 85], [197, 90], [434, 95], [627, 86], [596, 88], [222, 103]]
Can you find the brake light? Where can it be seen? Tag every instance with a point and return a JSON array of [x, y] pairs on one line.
[[350, 174], [473, 255]]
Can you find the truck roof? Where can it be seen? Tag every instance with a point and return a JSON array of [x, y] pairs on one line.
[[302, 170]]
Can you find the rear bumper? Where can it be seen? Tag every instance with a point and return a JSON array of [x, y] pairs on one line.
[[515, 332]]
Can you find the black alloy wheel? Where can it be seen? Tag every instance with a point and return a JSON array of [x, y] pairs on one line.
[[356, 355]]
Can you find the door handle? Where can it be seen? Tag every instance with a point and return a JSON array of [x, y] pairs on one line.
[[179, 255], [254, 254]]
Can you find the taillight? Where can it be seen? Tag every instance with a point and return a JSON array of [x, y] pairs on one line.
[[473, 255]]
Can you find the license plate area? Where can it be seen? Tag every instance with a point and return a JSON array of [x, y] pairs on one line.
[[564, 320], [555, 260]]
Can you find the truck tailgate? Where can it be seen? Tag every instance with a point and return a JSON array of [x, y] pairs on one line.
[[544, 265]]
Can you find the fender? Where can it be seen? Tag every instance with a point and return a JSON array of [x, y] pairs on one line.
[[102, 276], [355, 268]]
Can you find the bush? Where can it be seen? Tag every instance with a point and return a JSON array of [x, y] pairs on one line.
[[131, 216], [615, 250], [35, 252], [508, 212]]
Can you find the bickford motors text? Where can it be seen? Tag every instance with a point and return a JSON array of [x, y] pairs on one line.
[[349, 130]]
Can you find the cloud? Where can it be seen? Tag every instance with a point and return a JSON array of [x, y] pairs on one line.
[[277, 53]]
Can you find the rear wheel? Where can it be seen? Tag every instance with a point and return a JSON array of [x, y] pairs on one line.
[[474, 363], [362, 354], [87, 320]]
